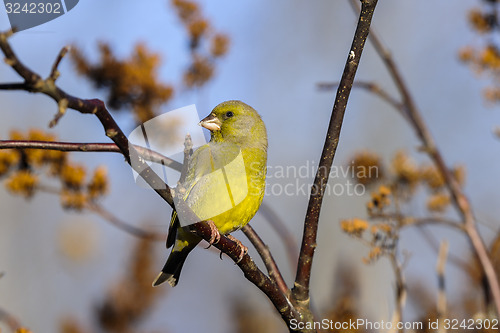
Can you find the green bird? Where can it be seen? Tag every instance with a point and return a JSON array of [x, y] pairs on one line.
[[225, 180]]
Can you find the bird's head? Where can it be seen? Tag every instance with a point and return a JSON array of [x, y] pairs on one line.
[[236, 122]]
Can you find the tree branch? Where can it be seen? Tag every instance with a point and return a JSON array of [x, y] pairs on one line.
[[300, 292], [128, 228], [13, 86], [282, 231], [404, 221], [188, 151], [441, 298], [145, 153], [54, 72], [267, 258], [373, 88], [401, 291], [434, 244], [9, 320]]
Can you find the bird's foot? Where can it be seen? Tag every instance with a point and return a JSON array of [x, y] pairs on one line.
[[214, 234], [242, 248]]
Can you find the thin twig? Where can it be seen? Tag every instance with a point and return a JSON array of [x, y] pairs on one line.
[[372, 87], [96, 208], [13, 86], [432, 241], [419, 221], [145, 153], [122, 225], [62, 104], [300, 291], [62, 107], [441, 298], [460, 200], [400, 291], [9, 320], [188, 151], [54, 72], [267, 258], [288, 239]]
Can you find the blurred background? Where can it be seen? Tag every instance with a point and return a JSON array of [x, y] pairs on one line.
[[66, 269]]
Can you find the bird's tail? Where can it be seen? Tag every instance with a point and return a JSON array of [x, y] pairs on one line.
[[184, 244], [172, 269]]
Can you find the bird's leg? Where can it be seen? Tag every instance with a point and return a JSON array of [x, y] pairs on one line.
[[243, 249], [214, 234]]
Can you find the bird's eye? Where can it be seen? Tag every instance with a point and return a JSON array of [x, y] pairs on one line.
[[229, 114]]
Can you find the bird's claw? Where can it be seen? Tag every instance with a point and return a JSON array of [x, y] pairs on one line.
[[214, 234], [243, 249]]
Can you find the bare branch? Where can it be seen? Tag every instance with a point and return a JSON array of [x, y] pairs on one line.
[[122, 225], [267, 258], [188, 151], [400, 290], [405, 221], [62, 106], [432, 241], [9, 320], [441, 301], [282, 231], [433, 220], [109, 217], [54, 73], [13, 86], [147, 154], [371, 87], [300, 291]]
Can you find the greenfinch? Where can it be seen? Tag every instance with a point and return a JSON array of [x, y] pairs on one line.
[[224, 183]]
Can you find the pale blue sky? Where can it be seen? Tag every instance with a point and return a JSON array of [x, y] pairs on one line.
[[279, 51]]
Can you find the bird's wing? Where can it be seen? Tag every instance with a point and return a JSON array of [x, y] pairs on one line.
[[217, 180], [211, 169], [172, 229], [200, 164]]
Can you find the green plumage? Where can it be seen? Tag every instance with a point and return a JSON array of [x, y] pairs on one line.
[[225, 180]]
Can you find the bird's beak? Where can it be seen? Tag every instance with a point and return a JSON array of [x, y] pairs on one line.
[[211, 122]]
